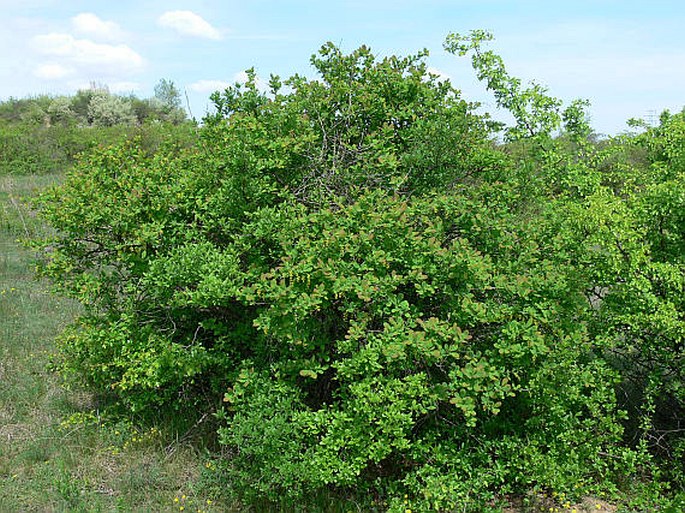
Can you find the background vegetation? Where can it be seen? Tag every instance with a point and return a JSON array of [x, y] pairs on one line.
[[360, 291], [45, 134]]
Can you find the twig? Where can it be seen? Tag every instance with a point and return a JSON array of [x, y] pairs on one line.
[[21, 216]]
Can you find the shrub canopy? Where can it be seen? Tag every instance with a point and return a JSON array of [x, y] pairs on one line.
[[373, 294]]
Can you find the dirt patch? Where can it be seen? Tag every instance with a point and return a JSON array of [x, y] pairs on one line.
[[539, 504]]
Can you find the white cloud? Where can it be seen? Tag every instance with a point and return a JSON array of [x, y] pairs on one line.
[[123, 87], [209, 86], [190, 24], [88, 55], [51, 71], [89, 24]]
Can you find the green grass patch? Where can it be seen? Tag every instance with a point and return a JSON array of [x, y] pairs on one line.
[[57, 454]]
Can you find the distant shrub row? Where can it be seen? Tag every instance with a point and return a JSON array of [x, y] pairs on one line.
[[45, 134]]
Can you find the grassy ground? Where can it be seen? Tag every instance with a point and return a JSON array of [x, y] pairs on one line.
[[56, 453]]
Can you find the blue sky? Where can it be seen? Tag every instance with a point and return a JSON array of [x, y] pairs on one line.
[[626, 57]]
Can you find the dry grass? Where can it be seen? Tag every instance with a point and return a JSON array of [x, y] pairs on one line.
[[540, 504]]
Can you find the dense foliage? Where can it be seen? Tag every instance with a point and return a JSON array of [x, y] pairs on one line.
[[376, 297]]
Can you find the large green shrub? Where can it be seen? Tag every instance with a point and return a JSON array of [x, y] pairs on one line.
[[368, 291], [416, 345]]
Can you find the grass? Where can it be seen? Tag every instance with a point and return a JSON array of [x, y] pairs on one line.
[[57, 454]]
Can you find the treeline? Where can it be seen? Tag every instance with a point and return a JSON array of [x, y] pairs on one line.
[[45, 133], [382, 294]]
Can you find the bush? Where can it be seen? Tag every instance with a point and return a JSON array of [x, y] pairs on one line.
[[107, 110], [412, 356], [369, 292], [643, 312]]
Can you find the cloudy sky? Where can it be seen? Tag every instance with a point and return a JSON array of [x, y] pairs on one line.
[[627, 57]]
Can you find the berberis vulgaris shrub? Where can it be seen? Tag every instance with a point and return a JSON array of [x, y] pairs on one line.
[[373, 296]]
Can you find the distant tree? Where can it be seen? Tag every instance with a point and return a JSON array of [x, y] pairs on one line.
[[79, 104], [143, 108], [167, 100], [10, 110], [46, 133], [34, 110], [167, 93]]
